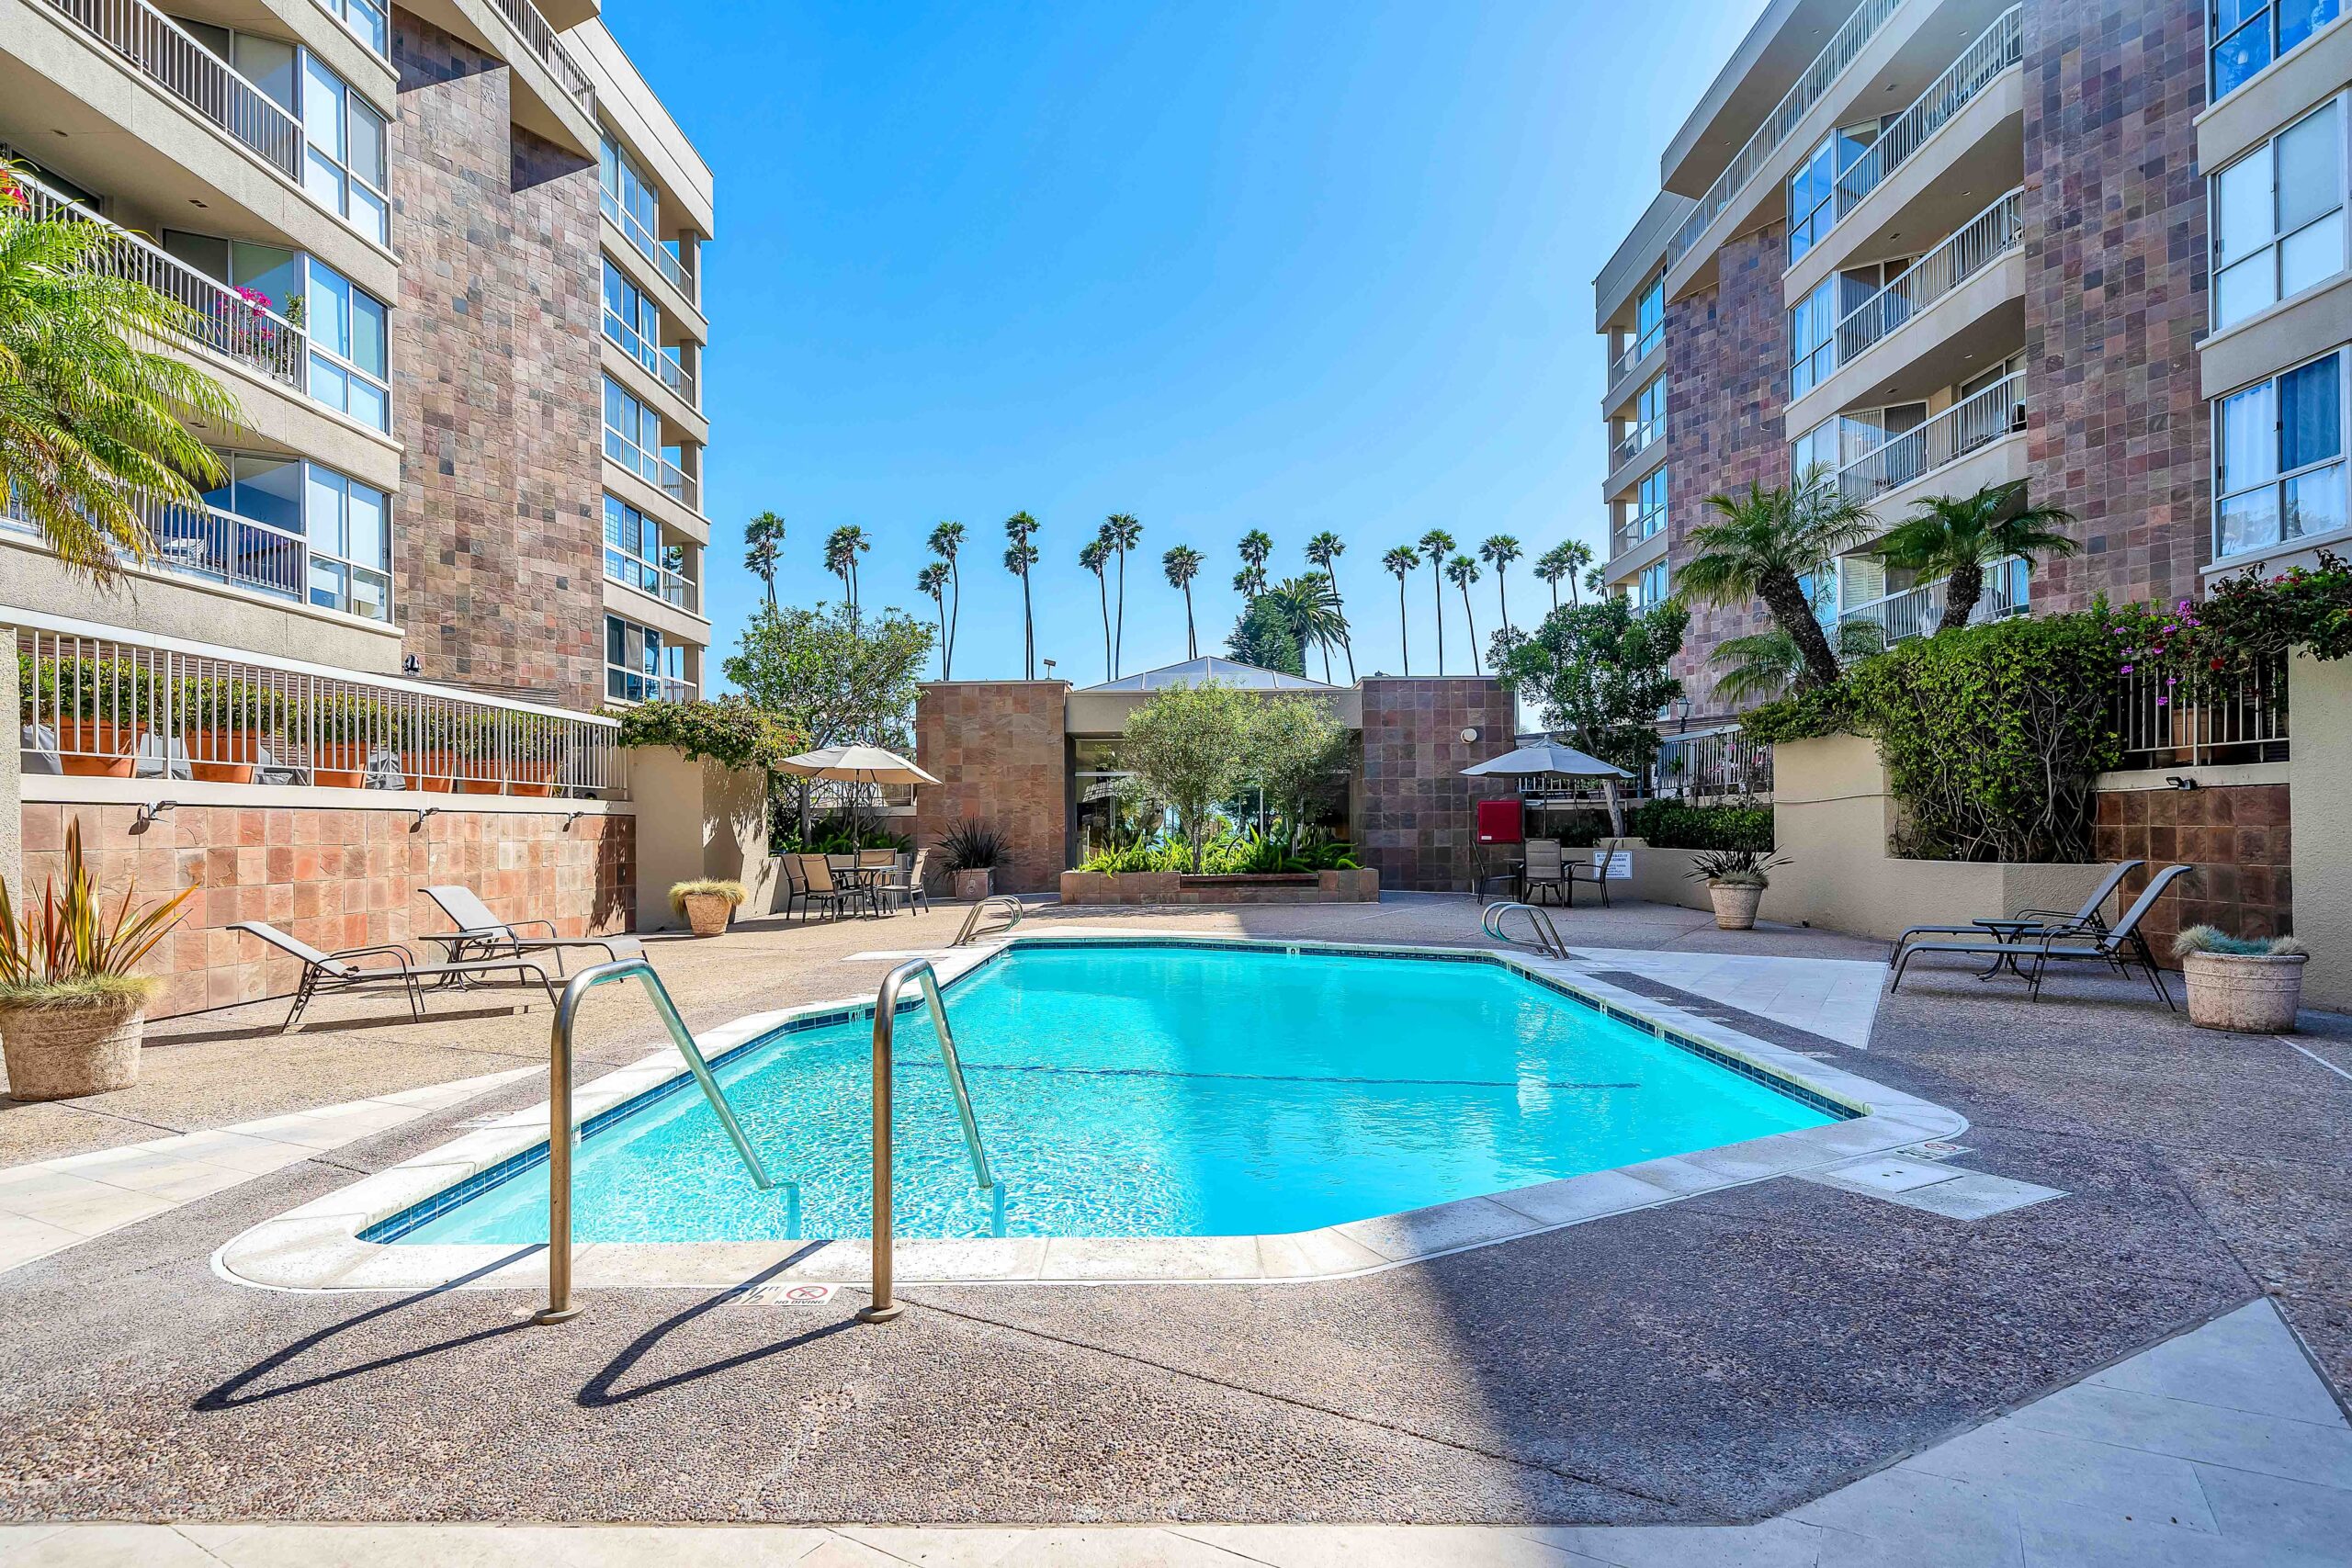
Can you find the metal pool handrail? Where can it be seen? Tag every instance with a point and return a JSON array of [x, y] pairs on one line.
[[1546, 936], [885, 1304], [1004, 899], [561, 1131]]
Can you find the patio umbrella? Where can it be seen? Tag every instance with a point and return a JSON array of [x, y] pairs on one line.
[[856, 765], [1548, 757]]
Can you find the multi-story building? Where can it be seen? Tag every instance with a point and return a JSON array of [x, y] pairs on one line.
[[447, 256], [1927, 245]]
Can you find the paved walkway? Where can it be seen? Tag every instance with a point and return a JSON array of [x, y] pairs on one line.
[[2219, 1448], [1834, 998]]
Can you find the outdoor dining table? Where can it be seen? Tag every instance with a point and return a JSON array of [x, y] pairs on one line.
[[863, 879]]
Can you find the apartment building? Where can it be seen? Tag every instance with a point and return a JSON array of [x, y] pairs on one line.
[[2095, 245], [448, 258]]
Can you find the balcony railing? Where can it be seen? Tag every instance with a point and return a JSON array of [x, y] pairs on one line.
[[1974, 421], [533, 29], [1635, 529], [213, 546], [1719, 763], [1841, 50], [653, 250], [101, 704], [2243, 722], [1997, 49], [1967, 251], [1918, 612], [672, 373], [227, 322], [651, 467], [195, 75], [672, 588], [1644, 436]]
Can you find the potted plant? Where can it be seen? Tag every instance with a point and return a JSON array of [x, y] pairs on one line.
[[1736, 881], [98, 707], [2250, 984], [971, 851], [706, 904], [72, 1013], [222, 723]]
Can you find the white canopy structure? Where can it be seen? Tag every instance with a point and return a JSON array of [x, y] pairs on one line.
[[1547, 757]]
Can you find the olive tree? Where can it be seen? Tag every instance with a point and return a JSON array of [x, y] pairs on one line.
[[1296, 749], [1189, 747]]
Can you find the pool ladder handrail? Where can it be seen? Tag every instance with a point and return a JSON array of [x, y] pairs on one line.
[[885, 1304], [562, 1134], [1005, 900], [1547, 935]]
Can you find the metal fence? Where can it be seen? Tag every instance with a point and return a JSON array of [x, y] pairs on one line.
[[1972, 423], [1966, 252], [100, 706], [195, 75], [535, 32], [2246, 721], [1996, 49], [1719, 763]]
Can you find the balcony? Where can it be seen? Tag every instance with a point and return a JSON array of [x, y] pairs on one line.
[[641, 240], [541, 40], [1635, 531], [1997, 49], [655, 469], [1916, 612], [675, 589], [208, 545], [1843, 48], [671, 372], [1963, 428], [1984, 239], [1645, 434], [156, 47]]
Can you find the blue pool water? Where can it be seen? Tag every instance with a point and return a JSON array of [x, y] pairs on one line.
[[1157, 1091]]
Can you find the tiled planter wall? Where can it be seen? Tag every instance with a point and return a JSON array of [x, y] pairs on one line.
[[2240, 839]]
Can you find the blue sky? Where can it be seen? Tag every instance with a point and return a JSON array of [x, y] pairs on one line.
[[1278, 267]]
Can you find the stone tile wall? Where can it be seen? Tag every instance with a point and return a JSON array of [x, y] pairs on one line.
[[496, 386], [2237, 836], [1001, 751], [2115, 274], [1412, 810], [334, 878]]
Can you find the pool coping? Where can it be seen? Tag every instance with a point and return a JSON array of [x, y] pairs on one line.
[[320, 1245]]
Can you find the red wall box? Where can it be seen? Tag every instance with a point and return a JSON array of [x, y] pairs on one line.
[[1501, 822]]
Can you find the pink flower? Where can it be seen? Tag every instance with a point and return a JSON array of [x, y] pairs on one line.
[[2127, 670]]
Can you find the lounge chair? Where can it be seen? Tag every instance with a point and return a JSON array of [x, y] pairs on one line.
[[481, 933], [1546, 870], [908, 892], [2087, 918], [335, 972], [2122, 946]]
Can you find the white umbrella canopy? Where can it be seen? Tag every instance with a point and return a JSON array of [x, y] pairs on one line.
[[856, 765], [1548, 757]]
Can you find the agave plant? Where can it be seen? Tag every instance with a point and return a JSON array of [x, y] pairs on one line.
[[68, 950]]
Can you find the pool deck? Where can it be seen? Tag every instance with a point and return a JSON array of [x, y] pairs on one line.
[[1720, 1359]]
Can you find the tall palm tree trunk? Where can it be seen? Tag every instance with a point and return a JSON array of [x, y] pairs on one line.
[[1028, 633], [1471, 620], [1191, 642], [1119, 645], [1404, 627], [1346, 646], [1787, 601], [955, 616], [1963, 589], [1102, 591], [1437, 598], [1502, 597]]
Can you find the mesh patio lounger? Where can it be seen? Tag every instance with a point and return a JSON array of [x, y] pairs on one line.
[[2087, 918], [2123, 946], [480, 933], [336, 972]]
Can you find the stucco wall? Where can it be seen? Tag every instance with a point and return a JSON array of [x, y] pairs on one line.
[[2319, 696], [698, 819]]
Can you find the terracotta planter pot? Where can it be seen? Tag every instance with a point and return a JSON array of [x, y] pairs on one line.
[[63, 1053], [2249, 993], [340, 764], [974, 886], [1735, 905], [434, 771], [223, 756], [97, 747], [532, 778], [708, 913]]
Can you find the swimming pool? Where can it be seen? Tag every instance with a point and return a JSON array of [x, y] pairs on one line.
[[1154, 1089]]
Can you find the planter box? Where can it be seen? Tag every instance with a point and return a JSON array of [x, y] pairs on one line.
[[1175, 888]]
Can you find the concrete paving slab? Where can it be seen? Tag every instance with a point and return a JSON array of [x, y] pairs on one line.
[[1972, 1195], [2246, 1360], [2294, 1514], [2028, 1464], [1375, 1546], [2297, 1451], [1777, 1543], [1891, 1173]]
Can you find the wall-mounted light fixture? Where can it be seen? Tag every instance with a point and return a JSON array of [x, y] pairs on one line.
[[570, 819], [419, 823], [147, 815], [2179, 783]]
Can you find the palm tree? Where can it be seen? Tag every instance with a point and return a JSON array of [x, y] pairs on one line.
[[1020, 555], [1499, 552], [933, 580], [1256, 545], [1183, 564], [1767, 664], [1762, 543], [1595, 583], [91, 409], [1094, 556], [1309, 607], [1404, 560], [1324, 551], [1564, 559], [1462, 571], [945, 541], [762, 545], [1122, 533], [1957, 536], [843, 546], [1437, 543]]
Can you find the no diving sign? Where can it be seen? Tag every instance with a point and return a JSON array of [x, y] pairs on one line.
[[787, 1295]]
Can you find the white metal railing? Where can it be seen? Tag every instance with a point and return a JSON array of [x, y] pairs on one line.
[[654, 469], [672, 373], [1839, 52], [1997, 49], [653, 250], [1919, 611], [1635, 529], [672, 588], [236, 325], [539, 37], [222, 547], [1719, 763], [1972, 423], [2246, 721], [101, 705], [1962, 255], [195, 75], [1644, 434]]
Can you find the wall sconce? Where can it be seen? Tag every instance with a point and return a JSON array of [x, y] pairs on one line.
[[2179, 783], [418, 824], [570, 819], [147, 815]]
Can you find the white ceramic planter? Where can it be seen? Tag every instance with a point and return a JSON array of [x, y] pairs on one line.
[[65, 1052], [2249, 993], [1735, 905]]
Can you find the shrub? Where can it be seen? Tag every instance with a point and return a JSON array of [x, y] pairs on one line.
[[828, 835], [68, 951], [729, 731], [972, 845], [1675, 825], [1805, 714], [2208, 939]]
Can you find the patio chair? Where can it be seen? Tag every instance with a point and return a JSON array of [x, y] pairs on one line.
[[336, 972], [37, 752], [2087, 918], [2122, 947], [822, 891], [1594, 869], [481, 933], [908, 890], [1547, 870], [796, 882]]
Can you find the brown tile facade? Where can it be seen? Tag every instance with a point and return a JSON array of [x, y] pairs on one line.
[[334, 878], [1413, 811], [1001, 751], [2237, 836], [496, 384], [2117, 429]]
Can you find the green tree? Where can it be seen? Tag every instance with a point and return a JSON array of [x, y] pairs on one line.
[[1297, 752], [843, 547], [947, 543], [1020, 555], [1309, 609], [1957, 536], [1599, 675], [1499, 552], [1403, 561], [762, 547], [1121, 533], [832, 680], [933, 580], [1462, 571], [1262, 637], [1094, 554], [1763, 543], [1189, 748], [1182, 563], [92, 438], [1767, 666], [1323, 552], [1436, 545], [1564, 560]]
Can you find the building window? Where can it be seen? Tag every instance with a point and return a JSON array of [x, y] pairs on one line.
[[343, 136], [641, 666], [632, 202], [1648, 422], [1812, 188], [2249, 34], [1649, 503], [350, 347], [630, 318], [1813, 338], [2277, 223], [1651, 587], [2279, 460], [633, 439], [636, 557], [366, 20], [349, 524], [1649, 319]]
